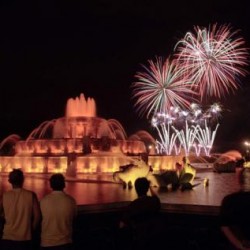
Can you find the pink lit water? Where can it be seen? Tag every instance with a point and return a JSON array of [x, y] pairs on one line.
[[101, 190], [85, 189]]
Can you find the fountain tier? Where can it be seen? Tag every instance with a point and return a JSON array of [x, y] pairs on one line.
[[77, 143]]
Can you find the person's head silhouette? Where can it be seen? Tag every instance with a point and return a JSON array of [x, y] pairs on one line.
[[57, 182], [16, 178], [142, 186]]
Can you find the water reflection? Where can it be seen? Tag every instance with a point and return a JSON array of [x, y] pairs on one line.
[[86, 190], [90, 189]]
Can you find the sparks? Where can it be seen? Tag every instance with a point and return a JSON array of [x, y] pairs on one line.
[[213, 59], [161, 87]]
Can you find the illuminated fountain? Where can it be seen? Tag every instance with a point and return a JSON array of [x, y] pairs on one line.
[[80, 142]]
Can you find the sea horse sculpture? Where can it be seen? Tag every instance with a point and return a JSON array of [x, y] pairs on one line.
[[129, 173]]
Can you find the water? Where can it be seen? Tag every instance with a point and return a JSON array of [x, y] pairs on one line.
[[87, 189]]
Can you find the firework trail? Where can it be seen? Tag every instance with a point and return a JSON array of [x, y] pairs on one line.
[[160, 87], [205, 137], [213, 59]]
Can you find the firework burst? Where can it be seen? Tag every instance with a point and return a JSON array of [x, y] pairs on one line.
[[160, 87], [213, 59]]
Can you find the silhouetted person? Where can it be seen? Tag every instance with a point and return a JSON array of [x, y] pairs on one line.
[[58, 212], [20, 208], [235, 219], [142, 215]]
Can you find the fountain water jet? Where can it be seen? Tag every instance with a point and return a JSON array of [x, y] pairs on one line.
[[80, 142]]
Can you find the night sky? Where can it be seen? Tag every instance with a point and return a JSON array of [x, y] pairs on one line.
[[53, 50]]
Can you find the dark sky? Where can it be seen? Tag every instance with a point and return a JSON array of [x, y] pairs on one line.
[[53, 50]]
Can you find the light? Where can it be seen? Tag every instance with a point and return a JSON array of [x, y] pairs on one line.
[[247, 144]]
